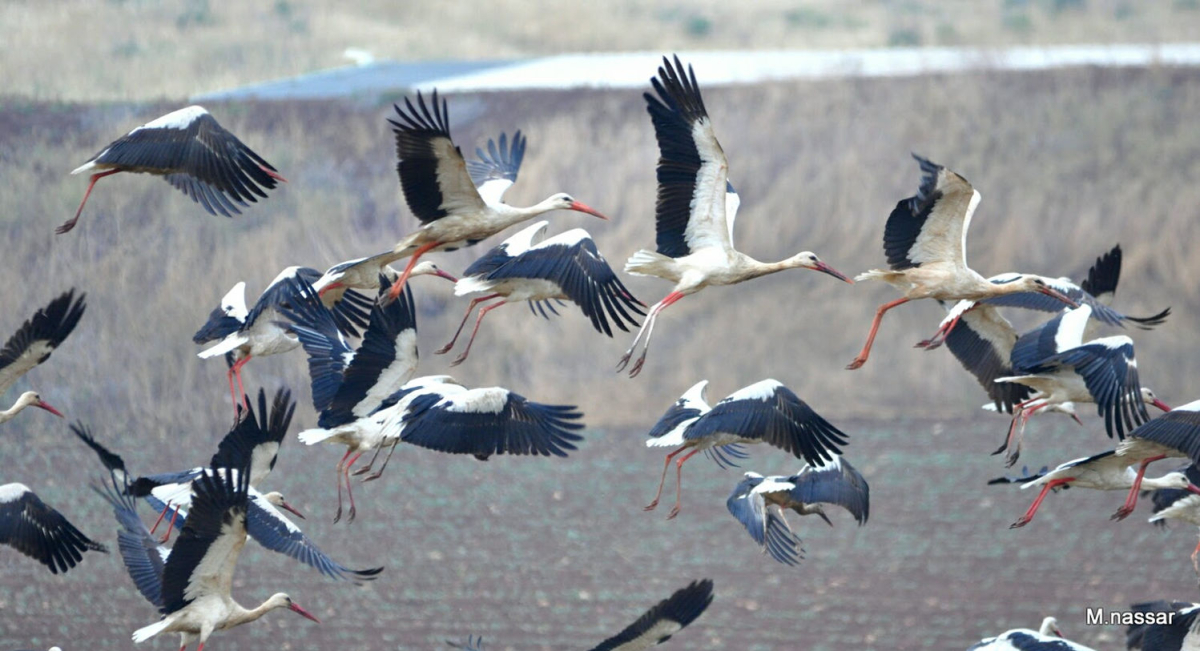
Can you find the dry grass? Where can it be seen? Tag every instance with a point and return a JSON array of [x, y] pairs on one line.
[[151, 49]]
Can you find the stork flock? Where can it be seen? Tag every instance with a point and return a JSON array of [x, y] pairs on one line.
[[356, 323]]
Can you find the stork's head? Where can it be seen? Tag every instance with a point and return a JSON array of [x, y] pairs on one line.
[[281, 600], [1050, 627], [1032, 283], [33, 399], [275, 498], [1148, 396], [427, 268], [564, 201], [809, 260]]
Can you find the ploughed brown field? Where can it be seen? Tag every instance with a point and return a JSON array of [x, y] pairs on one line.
[[556, 554]]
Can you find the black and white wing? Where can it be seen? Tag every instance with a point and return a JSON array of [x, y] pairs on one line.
[[690, 213], [432, 171], [255, 441], [31, 527], [836, 482], [571, 262], [1045, 303], [1109, 370], [1181, 633], [488, 421], [286, 292], [202, 562], [1166, 498], [982, 342], [473, 643], [1059, 334], [273, 530], [765, 526], [1178, 429], [33, 342], [196, 155], [668, 431], [665, 619], [143, 556], [495, 171], [770, 412], [931, 226], [1027, 640], [328, 351], [225, 319]]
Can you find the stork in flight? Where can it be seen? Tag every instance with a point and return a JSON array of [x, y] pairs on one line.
[[30, 526], [190, 585], [925, 240], [440, 190], [193, 153], [764, 412], [696, 206], [564, 267], [32, 344], [1174, 434]]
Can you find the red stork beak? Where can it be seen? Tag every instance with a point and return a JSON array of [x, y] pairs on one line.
[[443, 274], [582, 207], [44, 405], [824, 268], [1054, 293], [330, 287], [291, 509], [1194, 488], [1058, 632], [295, 607], [273, 174], [1160, 404]]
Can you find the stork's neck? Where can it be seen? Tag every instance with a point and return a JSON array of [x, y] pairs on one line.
[[1151, 483], [509, 215], [241, 616], [748, 267], [7, 414]]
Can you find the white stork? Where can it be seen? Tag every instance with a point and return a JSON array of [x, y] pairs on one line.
[[925, 240], [438, 413], [1106, 471], [1096, 291], [565, 267], [243, 334], [31, 527], [32, 344], [193, 153], [1060, 368], [764, 412], [191, 583], [441, 192], [835, 482], [1048, 638], [696, 206], [1174, 434], [1175, 504], [654, 627], [364, 273]]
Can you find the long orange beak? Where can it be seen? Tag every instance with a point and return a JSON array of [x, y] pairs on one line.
[[44, 405], [824, 268], [582, 207], [1054, 293], [291, 509], [273, 174], [1194, 488], [295, 607], [443, 274], [1160, 404]]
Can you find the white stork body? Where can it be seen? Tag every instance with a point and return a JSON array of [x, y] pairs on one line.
[[193, 153], [764, 412], [565, 267], [1174, 434], [364, 273], [1106, 471], [441, 191], [32, 344], [1048, 638], [38, 531], [925, 240], [696, 206]]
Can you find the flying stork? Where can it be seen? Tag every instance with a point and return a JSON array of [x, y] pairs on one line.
[[441, 192], [32, 344], [191, 584], [30, 526], [193, 153], [1095, 291], [1048, 638], [696, 206], [1106, 471], [764, 412], [654, 627], [835, 482], [1175, 504], [1174, 434], [925, 240], [567, 266]]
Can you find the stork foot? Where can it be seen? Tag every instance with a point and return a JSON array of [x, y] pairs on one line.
[[337, 516], [1024, 520], [66, 226], [362, 471], [1011, 459], [624, 360], [1122, 513], [637, 366], [165, 538], [459, 360], [856, 363], [444, 349], [351, 518], [674, 512], [651, 506], [373, 477]]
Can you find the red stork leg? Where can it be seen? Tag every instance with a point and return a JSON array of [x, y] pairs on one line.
[[1131, 499], [679, 483], [398, 286], [367, 468], [857, 362], [663, 480], [349, 490], [160, 517], [341, 464], [939, 337], [482, 311], [1014, 451], [69, 224], [273, 174], [1037, 503], [476, 301], [648, 328], [170, 526]]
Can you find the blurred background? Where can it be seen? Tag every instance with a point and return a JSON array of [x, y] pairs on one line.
[[555, 554]]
